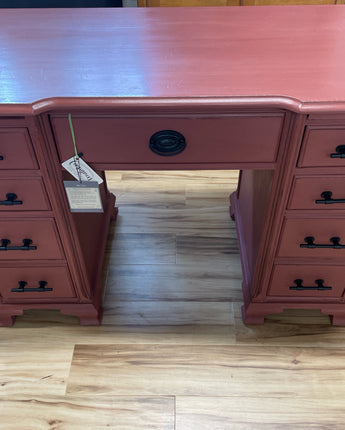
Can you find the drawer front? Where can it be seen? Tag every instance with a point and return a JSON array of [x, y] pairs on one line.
[[45, 242], [208, 140], [306, 191], [30, 192], [318, 237], [16, 151], [323, 147], [284, 276], [57, 279]]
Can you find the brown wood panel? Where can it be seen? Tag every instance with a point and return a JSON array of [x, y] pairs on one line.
[[293, 327], [206, 371], [284, 2], [169, 313], [182, 282], [187, 3], [202, 250], [143, 248], [229, 413], [89, 413], [40, 326], [38, 368], [213, 221]]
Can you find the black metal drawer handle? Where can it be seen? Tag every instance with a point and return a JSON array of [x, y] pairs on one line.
[[167, 143], [1, 157], [327, 198], [319, 285], [23, 289], [25, 247], [310, 243], [340, 152], [11, 200]]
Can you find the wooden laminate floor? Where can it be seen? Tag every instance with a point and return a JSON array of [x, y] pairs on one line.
[[172, 353]]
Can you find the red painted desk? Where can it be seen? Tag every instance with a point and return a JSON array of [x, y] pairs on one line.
[[256, 89]]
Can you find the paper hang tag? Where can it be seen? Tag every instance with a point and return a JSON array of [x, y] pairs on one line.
[[83, 196], [81, 170]]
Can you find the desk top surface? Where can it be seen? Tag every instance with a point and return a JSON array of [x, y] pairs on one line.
[[295, 54]]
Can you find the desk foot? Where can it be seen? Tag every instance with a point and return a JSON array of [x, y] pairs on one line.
[[87, 313], [250, 317], [7, 320], [254, 313], [114, 213], [338, 319], [232, 213]]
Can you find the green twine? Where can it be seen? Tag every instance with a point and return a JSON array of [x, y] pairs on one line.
[[73, 137]]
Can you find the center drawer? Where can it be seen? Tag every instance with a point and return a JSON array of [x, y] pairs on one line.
[[222, 139]]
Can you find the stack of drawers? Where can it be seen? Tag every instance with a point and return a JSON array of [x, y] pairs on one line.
[[33, 269], [310, 264]]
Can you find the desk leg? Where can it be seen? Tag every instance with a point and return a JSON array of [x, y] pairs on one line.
[[337, 318], [114, 213], [252, 317], [232, 209]]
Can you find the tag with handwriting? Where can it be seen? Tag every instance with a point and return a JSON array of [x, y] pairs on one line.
[[83, 196], [81, 170]]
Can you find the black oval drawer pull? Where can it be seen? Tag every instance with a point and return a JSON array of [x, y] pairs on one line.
[[11, 200], [23, 289], [167, 143], [310, 243], [319, 285], [340, 152], [1, 157], [327, 199], [25, 247]]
